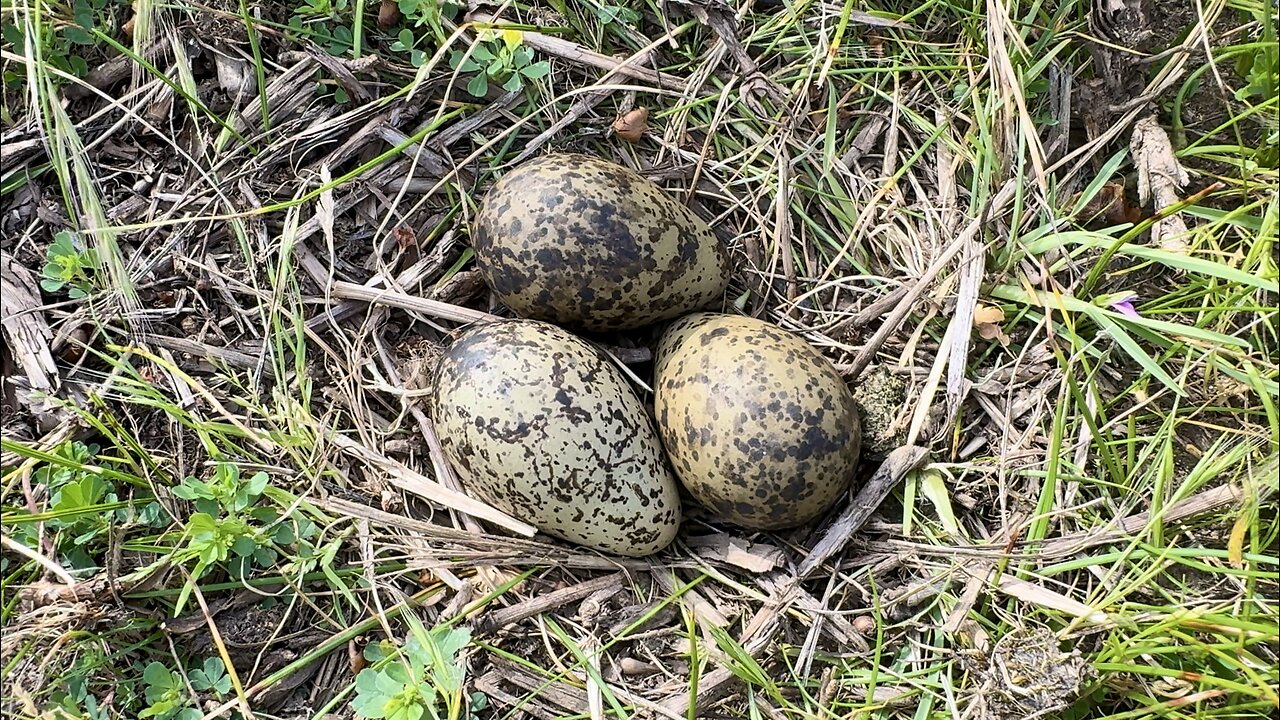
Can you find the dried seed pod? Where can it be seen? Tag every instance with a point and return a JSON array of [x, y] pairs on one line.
[[73, 349], [388, 14], [632, 126]]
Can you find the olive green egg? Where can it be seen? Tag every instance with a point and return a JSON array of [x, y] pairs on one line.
[[758, 425], [541, 425], [591, 245]]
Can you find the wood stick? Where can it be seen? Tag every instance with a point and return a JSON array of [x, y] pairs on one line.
[[895, 467], [429, 489], [445, 311], [539, 604]]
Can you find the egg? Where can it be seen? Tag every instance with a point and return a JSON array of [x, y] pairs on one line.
[[591, 245], [757, 424], [541, 425]]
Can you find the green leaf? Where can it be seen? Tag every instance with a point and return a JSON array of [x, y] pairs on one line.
[[83, 16], [513, 83], [202, 524], [934, 487], [213, 675], [244, 546], [370, 701], [483, 54], [405, 36], [613, 13], [83, 493], [409, 712], [452, 640], [77, 35], [1135, 351], [212, 666], [257, 484], [157, 675], [377, 652], [199, 680], [14, 35], [1072, 304], [1181, 261], [394, 678], [62, 244], [537, 70], [264, 556], [284, 534], [479, 86], [183, 491], [371, 707]]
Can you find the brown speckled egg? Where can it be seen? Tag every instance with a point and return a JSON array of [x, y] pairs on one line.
[[759, 426], [585, 243], [540, 424]]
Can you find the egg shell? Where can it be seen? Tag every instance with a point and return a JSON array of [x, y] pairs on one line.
[[589, 244], [541, 425], [757, 424]]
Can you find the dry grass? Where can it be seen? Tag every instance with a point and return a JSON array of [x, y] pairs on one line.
[[1082, 516]]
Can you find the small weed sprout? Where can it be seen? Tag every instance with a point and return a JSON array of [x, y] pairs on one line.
[[226, 491], [502, 57], [211, 677], [59, 42], [229, 525], [84, 506], [166, 695], [430, 13], [70, 265], [166, 692], [405, 42], [408, 682], [1260, 64], [75, 701], [321, 21]]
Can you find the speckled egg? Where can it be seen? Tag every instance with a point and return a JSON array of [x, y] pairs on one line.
[[540, 424], [589, 244], [758, 426]]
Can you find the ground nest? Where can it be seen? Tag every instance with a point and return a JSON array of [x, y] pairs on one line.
[[1037, 243]]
